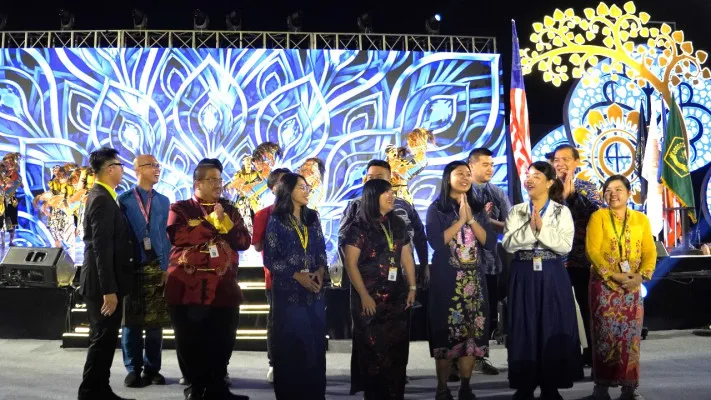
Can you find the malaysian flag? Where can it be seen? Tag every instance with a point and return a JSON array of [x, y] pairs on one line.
[[520, 141]]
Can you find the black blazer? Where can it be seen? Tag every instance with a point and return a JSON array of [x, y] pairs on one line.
[[108, 249]]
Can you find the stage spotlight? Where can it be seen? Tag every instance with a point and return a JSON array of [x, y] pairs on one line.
[[3, 21], [365, 23], [140, 19], [233, 20], [66, 20], [294, 21], [643, 291], [200, 20], [432, 24]]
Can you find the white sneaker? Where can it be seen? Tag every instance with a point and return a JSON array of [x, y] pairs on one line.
[[270, 375]]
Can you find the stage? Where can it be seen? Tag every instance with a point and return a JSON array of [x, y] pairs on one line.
[[675, 364]]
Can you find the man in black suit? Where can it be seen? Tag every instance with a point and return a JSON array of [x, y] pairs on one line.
[[106, 274]]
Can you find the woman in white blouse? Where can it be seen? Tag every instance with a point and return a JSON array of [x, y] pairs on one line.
[[543, 343]]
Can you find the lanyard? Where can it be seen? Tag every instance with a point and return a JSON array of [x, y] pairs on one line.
[[303, 235], [543, 210], [388, 237], [203, 208], [619, 236], [146, 211]]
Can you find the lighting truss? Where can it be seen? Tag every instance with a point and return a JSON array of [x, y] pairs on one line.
[[248, 40]]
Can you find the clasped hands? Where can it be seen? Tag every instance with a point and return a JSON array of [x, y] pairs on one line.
[[312, 281], [536, 220], [629, 281]]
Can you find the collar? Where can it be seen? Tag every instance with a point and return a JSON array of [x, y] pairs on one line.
[[111, 190]]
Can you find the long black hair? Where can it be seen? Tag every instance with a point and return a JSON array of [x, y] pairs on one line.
[[284, 206], [555, 192], [445, 203], [369, 213]]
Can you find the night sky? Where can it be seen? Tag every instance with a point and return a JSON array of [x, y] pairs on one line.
[[460, 17]]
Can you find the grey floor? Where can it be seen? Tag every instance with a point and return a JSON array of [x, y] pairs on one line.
[[675, 365]]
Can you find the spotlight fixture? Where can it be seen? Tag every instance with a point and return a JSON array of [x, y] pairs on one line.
[[365, 23], [233, 20], [66, 20], [432, 24], [200, 20], [140, 19], [294, 21]]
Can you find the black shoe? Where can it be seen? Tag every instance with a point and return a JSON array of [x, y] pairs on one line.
[[153, 378], [133, 380], [444, 394], [194, 393], [550, 395], [466, 394], [523, 395], [108, 395]]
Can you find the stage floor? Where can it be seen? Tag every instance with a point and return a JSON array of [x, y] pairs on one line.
[[675, 364]]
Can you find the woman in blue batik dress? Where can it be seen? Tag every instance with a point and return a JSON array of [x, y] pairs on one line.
[[295, 253], [457, 229]]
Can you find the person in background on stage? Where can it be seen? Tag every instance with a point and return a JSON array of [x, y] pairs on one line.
[[201, 291], [106, 275], [295, 253], [313, 170], [261, 219], [380, 169], [496, 206], [458, 230], [381, 269], [582, 199], [549, 157], [264, 158], [12, 181], [621, 247], [543, 343], [145, 308]]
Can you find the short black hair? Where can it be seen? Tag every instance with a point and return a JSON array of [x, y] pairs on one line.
[[378, 163], [98, 158], [274, 176], [576, 153], [480, 151], [550, 156], [204, 165]]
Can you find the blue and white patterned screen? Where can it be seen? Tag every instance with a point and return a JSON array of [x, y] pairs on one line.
[[58, 105]]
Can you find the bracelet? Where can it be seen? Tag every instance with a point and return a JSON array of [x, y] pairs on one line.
[[413, 288], [471, 221]]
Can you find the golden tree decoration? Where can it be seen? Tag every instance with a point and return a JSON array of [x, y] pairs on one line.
[[620, 35]]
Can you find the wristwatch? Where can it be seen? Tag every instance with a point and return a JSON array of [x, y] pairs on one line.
[[413, 288]]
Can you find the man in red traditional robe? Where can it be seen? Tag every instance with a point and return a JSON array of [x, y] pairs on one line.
[[202, 292]]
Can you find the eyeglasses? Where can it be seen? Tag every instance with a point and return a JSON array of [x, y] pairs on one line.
[[213, 181], [304, 187], [116, 163], [152, 165]]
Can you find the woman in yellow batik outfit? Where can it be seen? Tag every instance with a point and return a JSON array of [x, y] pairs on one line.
[[621, 248]]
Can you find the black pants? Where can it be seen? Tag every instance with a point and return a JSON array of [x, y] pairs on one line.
[[580, 278], [270, 325], [103, 336], [492, 286], [204, 338]]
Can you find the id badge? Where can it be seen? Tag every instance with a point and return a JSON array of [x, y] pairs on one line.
[[625, 266], [305, 270], [392, 274], [538, 263], [146, 243], [213, 251]]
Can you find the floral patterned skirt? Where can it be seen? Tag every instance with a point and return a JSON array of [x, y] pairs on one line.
[[458, 316], [616, 333]]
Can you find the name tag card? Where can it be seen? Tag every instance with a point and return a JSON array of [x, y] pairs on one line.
[[392, 274], [213, 251], [625, 266], [538, 263], [146, 243]]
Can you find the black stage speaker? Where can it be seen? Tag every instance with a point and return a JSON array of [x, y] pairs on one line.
[[48, 267]]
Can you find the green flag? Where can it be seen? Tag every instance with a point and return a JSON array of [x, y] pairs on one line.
[[675, 162]]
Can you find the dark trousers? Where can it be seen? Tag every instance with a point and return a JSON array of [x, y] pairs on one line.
[[270, 325], [204, 338], [580, 279], [103, 336], [132, 346], [492, 286]]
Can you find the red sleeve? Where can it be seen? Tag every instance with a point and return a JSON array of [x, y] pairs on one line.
[[182, 234], [259, 225]]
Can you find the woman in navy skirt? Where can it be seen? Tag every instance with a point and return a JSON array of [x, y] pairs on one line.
[[543, 343]]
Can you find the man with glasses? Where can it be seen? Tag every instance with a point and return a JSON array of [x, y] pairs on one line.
[[106, 275], [145, 308], [202, 292]]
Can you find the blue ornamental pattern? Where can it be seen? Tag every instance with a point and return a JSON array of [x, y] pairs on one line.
[[345, 107]]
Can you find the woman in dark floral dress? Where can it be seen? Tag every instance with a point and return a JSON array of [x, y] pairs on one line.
[[295, 253], [457, 229], [382, 273]]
